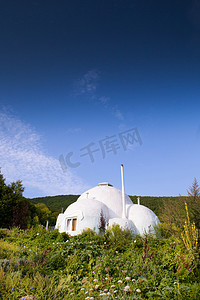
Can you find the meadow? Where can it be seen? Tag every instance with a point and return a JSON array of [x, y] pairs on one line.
[[41, 264]]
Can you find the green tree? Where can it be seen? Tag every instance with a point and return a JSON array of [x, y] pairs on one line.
[[194, 202], [42, 212], [14, 208]]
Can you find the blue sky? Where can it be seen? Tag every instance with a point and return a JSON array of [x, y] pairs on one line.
[[79, 72]]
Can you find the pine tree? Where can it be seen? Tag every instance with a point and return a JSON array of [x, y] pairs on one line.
[[194, 203]]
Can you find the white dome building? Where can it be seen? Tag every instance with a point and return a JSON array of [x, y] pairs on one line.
[[103, 206]]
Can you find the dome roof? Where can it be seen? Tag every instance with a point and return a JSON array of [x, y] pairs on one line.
[[143, 218], [108, 195]]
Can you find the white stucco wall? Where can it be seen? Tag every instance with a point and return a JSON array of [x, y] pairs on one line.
[[88, 212], [108, 200], [143, 218], [108, 195]]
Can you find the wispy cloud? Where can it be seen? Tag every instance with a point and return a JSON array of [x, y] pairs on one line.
[[87, 84], [117, 113], [22, 157]]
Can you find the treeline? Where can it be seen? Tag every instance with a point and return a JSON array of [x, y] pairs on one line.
[[16, 210], [56, 203], [59, 203]]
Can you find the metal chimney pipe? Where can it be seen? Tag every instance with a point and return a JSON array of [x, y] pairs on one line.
[[123, 194]]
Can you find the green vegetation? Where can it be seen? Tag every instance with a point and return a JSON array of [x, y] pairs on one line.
[[56, 203], [115, 265], [36, 263]]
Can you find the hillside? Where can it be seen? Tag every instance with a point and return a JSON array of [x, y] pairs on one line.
[[61, 202], [56, 203]]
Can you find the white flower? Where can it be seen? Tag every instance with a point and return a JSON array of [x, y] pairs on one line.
[[119, 281], [138, 291], [108, 293], [134, 241], [86, 292], [133, 279], [127, 287], [102, 294], [115, 291], [95, 279], [91, 298], [127, 278], [105, 290], [38, 233], [96, 286], [112, 286], [91, 289], [82, 289]]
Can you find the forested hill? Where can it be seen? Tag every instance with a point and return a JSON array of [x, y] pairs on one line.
[[56, 203], [61, 202]]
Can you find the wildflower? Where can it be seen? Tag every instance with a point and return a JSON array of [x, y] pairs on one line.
[[31, 287], [82, 289], [119, 281], [105, 290], [38, 233], [134, 241], [108, 293], [112, 286], [91, 298], [133, 279], [115, 291], [95, 279], [91, 290], [86, 292], [12, 289], [96, 286], [127, 287], [127, 278], [102, 294], [138, 291]]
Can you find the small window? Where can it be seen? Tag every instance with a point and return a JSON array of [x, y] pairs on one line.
[[74, 223], [71, 224]]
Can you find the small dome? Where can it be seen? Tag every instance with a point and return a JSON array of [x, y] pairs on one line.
[[143, 218], [108, 195], [88, 216]]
